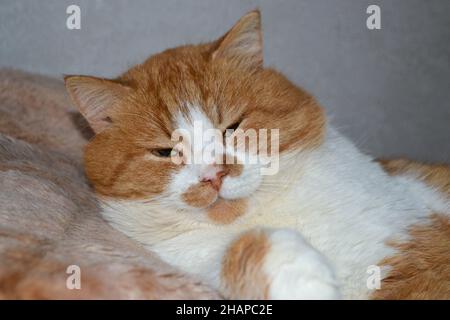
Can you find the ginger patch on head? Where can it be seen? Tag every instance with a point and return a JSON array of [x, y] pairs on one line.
[[223, 84]]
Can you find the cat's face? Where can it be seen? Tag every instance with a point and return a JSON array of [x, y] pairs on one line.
[[220, 85]]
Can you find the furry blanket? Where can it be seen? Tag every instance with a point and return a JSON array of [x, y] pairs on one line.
[[49, 218]]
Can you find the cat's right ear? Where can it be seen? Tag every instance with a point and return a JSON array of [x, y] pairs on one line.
[[95, 98]]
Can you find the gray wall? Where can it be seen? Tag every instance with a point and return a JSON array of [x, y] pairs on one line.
[[387, 89]]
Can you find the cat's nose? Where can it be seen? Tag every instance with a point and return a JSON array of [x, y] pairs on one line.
[[214, 175]]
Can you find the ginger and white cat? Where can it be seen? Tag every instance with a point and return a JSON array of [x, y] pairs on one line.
[[311, 231]]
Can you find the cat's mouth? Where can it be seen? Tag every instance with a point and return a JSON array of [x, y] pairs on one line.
[[205, 195]]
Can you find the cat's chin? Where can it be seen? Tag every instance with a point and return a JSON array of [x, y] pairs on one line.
[[219, 201], [226, 211]]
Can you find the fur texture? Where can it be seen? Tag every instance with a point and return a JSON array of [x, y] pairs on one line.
[[49, 217], [329, 213], [310, 231]]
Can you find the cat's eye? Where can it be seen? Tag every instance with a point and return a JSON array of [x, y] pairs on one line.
[[230, 129], [162, 153], [234, 126]]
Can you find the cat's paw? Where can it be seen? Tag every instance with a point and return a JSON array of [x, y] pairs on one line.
[[296, 270]]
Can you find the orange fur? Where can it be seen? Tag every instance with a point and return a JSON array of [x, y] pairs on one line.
[[242, 275], [200, 195], [421, 269], [134, 113], [225, 212], [435, 175]]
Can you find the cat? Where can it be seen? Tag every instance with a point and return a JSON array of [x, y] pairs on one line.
[[313, 230]]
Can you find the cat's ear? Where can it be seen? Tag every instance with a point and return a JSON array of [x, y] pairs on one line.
[[243, 42], [95, 98]]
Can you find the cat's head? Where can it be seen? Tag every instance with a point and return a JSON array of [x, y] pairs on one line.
[[222, 84]]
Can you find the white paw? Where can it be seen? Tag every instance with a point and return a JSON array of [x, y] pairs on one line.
[[296, 270]]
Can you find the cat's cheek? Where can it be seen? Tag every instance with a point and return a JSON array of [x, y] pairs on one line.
[[242, 186]]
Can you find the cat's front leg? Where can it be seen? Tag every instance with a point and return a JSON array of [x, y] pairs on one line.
[[276, 264]]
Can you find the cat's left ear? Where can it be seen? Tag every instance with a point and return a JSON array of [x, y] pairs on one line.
[[243, 43]]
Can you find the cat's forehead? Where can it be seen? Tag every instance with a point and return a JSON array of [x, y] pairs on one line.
[[185, 84]]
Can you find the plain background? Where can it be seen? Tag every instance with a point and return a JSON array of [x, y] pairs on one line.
[[388, 89]]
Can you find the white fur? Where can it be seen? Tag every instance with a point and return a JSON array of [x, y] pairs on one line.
[[296, 270], [339, 199], [347, 207], [232, 188]]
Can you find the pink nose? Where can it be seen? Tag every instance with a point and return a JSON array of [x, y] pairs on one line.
[[214, 176]]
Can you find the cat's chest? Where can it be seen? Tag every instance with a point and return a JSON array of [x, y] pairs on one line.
[[350, 221]]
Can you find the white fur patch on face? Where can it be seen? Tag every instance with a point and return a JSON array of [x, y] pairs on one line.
[[192, 129]]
